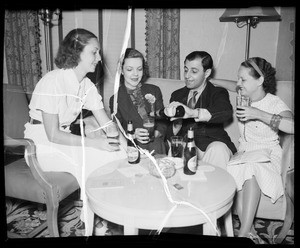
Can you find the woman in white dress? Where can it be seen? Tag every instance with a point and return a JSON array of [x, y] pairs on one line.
[[259, 125], [57, 100]]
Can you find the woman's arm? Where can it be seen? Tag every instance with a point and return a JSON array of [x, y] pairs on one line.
[[250, 113], [55, 135], [103, 119], [227, 84]]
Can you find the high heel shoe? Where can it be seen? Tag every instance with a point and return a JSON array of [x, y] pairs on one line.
[[101, 228], [256, 239]]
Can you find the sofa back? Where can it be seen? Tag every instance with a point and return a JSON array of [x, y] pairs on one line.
[[285, 90]]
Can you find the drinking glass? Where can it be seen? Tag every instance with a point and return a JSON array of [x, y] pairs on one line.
[[112, 132], [149, 124], [242, 101], [177, 146]]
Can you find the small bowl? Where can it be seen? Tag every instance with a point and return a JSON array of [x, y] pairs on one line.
[[166, 165]]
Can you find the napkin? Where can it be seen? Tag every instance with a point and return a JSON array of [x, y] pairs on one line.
[[255, 156]]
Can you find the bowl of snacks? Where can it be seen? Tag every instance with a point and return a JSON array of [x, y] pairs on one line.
[[166, 166]]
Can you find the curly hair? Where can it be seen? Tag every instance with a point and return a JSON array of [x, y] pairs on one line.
[[133, 53], [269, 84], [68, 54]]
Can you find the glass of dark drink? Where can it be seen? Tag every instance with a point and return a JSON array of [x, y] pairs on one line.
[[242, 101], [149, 124], [177, 146]]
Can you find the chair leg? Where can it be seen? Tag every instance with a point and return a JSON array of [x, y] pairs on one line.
[[52, 210], [288, 221]]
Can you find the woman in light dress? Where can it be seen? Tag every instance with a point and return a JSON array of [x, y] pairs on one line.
[[259, 125], [57, 100]]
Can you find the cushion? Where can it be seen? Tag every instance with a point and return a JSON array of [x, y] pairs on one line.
[[20, 183]]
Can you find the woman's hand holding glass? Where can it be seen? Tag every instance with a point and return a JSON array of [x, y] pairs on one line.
[[246, 113], [142, 135]]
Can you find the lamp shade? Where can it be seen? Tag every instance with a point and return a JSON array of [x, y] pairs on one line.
[[239, 15]]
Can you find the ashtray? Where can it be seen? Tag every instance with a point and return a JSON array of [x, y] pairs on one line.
[[166, 166]]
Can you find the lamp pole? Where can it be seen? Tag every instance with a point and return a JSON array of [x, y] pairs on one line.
[[247, 38], [46, 17], [249, 17]]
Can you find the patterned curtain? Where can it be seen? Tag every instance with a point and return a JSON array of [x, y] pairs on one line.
[[162, 42], [21, 41]]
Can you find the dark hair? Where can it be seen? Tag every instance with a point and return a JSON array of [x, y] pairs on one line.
[[269, 84], [68, 55], [133, 53], [207, 61]]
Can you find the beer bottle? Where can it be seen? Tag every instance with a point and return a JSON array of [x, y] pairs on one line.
[[190, 154], [133, 154]]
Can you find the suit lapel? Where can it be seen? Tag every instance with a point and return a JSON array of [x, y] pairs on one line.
[[202, 100], [184, 95], [126, 103]]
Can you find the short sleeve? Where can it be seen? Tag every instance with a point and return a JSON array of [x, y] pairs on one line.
[[93, 99], [45, 96]]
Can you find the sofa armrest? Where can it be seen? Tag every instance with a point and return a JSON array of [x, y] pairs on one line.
[[287, 161]]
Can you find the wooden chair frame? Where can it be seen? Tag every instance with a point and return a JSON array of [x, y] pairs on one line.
[[51, 191]]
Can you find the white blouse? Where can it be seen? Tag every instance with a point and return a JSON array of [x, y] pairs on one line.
[[257, 134], [59, 92]]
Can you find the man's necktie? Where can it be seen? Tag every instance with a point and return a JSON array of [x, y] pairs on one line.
[[192, 100]]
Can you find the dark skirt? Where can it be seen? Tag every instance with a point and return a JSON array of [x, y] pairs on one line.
[[158, 145]]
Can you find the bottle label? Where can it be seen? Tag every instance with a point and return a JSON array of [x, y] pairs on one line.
[[190, 145], [192, 164], [132, 154]]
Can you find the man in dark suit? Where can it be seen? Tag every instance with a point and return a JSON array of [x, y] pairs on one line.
[[207, 108]]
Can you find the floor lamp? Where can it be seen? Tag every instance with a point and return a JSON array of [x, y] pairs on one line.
[[47, 17], [250, 17]]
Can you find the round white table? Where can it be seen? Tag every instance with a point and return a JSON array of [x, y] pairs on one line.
[[139, 200]]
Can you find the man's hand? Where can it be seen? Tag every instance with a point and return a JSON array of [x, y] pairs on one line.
[[171, 110]]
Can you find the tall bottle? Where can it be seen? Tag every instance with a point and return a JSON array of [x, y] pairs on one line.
[[190, 154], [133, 154]]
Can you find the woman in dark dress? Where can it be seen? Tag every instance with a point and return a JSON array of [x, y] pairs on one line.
[[136, 99]]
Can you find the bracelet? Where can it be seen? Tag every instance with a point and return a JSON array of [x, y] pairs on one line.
[[275, 121]]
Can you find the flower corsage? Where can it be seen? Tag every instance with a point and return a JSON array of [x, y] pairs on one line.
[[151, 99]]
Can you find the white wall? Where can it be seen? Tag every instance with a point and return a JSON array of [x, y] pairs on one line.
[[201, 30]]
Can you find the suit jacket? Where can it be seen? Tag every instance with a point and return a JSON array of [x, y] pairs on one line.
[[216, 101], [127, 111]]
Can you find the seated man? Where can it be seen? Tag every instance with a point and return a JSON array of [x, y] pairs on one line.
[[207, 108]]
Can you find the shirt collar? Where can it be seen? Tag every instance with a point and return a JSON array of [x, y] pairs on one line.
[[199, 90]]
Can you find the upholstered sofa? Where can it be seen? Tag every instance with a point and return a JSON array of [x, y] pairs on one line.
[[285, 90], [284, 207]]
